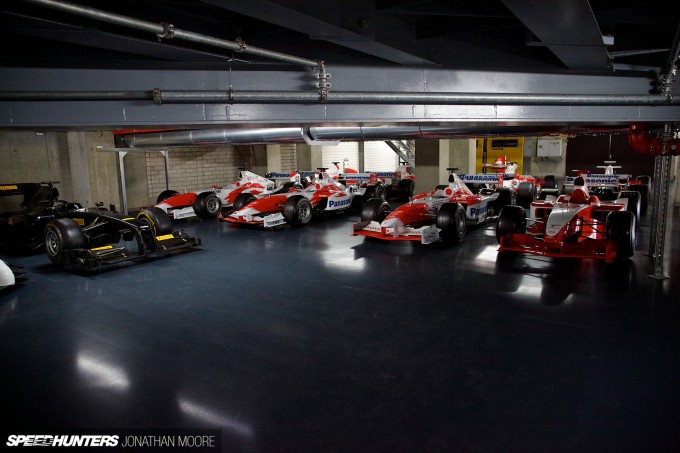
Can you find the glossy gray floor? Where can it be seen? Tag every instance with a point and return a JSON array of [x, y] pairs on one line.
[[313, 340]]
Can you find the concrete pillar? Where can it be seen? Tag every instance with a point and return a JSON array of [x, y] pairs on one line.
[[260, 163], [309, 157], [432, 158], [273, 157], [462, 155], [80, 175]]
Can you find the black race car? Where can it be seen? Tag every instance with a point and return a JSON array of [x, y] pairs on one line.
[[73, 236]]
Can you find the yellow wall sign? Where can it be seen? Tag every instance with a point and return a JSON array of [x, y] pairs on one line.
[[510, 147]]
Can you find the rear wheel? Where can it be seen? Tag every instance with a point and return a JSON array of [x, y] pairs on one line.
[[643, 190], [376, 191], [157, 220], [634, 204], [549, 182], [297, 211], [512, 219], [506, 197], [452, 222], [207, 205], [165, 195], [526, 193], [621, 230], [406, 188], [375, 209], [62, 235], [242, 199]]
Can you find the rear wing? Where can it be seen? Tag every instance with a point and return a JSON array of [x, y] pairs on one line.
[[480, 178], [593, 179]]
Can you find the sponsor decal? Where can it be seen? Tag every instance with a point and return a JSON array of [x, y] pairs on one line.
[[80, 222], [164, 237], [477, 212], [10, 187], [339, 204], [490, 178]]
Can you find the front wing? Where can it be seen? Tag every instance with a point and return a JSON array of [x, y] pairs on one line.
[[89, 258], [588, 248], [425, 235]]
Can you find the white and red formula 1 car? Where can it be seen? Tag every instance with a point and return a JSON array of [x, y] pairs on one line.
[[526, 187], [578, 225], [296, 207], [209, 203], [443, 214]]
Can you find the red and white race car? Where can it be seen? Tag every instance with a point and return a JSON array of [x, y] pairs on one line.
[[296, 207], [399, 184], [578, 225], [526, 187], [443, 214], [209, 203]]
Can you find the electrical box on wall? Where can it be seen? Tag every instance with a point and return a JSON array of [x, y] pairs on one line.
[[550, 148]]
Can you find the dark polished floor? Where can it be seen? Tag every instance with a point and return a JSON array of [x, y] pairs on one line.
[[313, 340]]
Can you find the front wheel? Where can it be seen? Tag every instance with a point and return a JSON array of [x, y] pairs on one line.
[[165, 195], [621, 230], [452, 222], [512, 219], [242, 199], [156, 219], [375, 209], [297, 211], [207, 205], [62, 235]]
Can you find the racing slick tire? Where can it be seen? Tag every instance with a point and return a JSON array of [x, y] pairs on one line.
[[452, 222], [375, 209], [62, 235], [376, 191], [526, 192], [634, 204], [549, 182], [643, 190], [621, 230], [297, 211], [156, 219], [207, 205], [242, 199], [405, 189], [165, 195], [506, 197], [512, 219]]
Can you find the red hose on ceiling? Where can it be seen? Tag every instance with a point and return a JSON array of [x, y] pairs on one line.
[[640, 140]]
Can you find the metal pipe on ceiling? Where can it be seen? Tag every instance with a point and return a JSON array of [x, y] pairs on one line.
[[168, 31], [339, 97], [384, 97]]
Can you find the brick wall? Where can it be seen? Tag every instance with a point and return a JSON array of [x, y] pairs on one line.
[[192, 169], [288, 157]]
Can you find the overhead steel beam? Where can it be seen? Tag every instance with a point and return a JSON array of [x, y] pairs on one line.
[[568, 28], [361, 38]]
